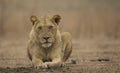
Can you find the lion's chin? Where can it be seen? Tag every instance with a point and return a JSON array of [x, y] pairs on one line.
[[47, 45]]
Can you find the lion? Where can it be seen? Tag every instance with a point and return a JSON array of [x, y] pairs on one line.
[[47, 46]]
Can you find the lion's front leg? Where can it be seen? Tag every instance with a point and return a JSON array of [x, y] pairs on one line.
[[38, 63]]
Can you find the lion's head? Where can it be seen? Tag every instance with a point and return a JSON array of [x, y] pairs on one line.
[[45, 29]]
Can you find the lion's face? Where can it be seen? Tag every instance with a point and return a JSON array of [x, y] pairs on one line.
[[46, 32], [45, 29]]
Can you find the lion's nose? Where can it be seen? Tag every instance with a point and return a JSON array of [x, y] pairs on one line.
[[46, 38]]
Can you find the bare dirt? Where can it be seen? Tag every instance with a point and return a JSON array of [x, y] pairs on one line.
[[92, 55]]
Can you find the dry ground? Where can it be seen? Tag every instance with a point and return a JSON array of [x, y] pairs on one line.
[[93, 55]]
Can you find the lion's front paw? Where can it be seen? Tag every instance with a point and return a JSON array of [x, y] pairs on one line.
[[44, 65]]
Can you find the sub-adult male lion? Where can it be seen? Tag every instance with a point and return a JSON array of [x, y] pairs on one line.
[[48, 47]]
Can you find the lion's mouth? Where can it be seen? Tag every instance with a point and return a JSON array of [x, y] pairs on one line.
[[47, 44]]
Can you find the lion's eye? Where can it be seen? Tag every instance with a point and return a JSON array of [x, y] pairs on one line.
[[40, 28], [50, 27]]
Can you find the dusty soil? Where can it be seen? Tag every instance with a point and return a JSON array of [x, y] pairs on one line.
[[92, 55]]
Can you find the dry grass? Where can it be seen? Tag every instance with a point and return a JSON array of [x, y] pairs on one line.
[[86, 17]]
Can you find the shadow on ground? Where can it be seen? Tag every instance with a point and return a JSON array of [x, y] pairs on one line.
[[33, 70]]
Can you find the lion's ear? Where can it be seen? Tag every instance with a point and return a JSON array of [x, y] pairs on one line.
[[33, 19], [56, 18]]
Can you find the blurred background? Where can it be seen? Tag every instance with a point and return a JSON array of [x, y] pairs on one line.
[[94, 25], [82, 18]]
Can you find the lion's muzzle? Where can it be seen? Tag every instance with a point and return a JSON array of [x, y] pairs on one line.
[[46, 43]]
